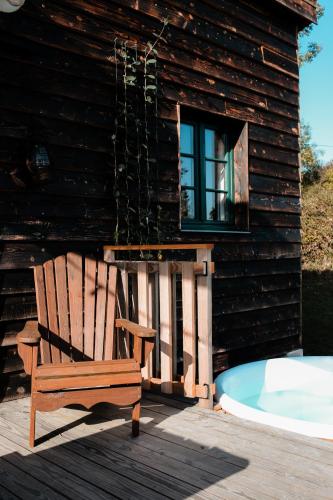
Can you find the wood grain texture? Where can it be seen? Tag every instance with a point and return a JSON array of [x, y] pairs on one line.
[[60, 273], [61, 382], [75, 287], [89, 306], [236, 60], [189, 329], [166, 327]]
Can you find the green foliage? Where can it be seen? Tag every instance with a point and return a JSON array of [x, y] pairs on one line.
[[135, 140], [317, 222], [312, 49], [310, 156]]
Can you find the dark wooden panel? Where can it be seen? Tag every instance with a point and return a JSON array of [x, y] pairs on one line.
[[276, 170], [271, 153], [25, 255], [242, 338], [234, 59], [304, 8], [16, 281], [266, 350], [243, 269], [263, 184], [223, 305], [256, 317], [233, 287], [14, 307], [275, 203]]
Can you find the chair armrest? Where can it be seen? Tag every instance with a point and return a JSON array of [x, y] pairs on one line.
[[135, 329], [29, 334], [27, 345], [144, 339]]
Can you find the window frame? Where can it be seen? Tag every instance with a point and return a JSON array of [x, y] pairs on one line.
[[200, 222]]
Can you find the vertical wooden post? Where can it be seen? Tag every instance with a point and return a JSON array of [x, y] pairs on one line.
[[189, 331], [155, 321], [109, 255], [143, 305], [166, 327], [205, 345]]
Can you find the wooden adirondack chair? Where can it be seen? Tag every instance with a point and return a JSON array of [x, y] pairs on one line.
[[77, 304]]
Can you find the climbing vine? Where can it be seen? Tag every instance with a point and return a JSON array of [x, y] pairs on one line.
[[135, 140]]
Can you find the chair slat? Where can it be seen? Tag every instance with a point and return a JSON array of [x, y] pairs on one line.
[[189, 331], [89, 306], [51, 302], [42, 313], [102, 270], [110, 314], [123, 312], [60, 270], [166, 327], [143, 307], [75, 292]]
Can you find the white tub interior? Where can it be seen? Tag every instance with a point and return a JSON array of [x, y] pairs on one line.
[[293, 393]]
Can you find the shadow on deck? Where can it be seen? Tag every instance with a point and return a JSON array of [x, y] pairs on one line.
[[182, 452]]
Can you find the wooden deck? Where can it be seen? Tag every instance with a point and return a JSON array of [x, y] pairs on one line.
[[182, 452]]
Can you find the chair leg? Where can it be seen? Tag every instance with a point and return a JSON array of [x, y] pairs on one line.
[[32, 426], [136, 419]]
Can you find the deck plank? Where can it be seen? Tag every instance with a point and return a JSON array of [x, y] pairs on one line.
[[183, 452]]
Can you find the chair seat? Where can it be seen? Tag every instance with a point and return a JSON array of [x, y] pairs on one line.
[[85, 374]]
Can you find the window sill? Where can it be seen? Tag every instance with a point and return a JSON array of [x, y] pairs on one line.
[[214, 230]]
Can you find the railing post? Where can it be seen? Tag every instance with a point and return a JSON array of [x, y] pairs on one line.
[[166, 327], [205, 344], [143, 312], [189, 330]]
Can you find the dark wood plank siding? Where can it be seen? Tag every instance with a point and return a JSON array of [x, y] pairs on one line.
[[233, 60], [307, 9]]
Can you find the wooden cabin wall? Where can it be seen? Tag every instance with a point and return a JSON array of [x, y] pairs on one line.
[[234, 59]]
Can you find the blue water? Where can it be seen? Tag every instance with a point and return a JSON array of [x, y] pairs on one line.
[[294, 404]]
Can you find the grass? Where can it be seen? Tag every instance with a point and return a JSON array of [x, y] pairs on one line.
[[317, 228]]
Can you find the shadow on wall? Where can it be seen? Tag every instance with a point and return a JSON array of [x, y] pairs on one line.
[[95, 456], [318, 312]]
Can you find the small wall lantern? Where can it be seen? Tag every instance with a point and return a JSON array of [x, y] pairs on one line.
[[9, 6], [38, 163]]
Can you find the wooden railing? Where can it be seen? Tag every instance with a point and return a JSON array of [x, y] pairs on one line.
[[167, 294]]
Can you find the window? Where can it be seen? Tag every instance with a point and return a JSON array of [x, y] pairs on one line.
[[206, 176], [213, 163]]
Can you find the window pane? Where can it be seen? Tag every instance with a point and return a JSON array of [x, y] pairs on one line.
[[214, 144], [215, 175], [187, 204], [187, 165], [186, 139], [216, 206]]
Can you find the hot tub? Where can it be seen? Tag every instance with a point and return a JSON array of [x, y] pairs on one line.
[[295, 394]]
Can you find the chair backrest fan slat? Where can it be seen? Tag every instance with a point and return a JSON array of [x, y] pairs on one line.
[[60, 270], [42, 313], [76, 307], [75, 294], [89, 306]]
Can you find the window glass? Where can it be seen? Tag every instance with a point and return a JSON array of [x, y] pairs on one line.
[[186, 139], [187, 170], [215, 175], [214, 144], [215, 206], [187, 204]]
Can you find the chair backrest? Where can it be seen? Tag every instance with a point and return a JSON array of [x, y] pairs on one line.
[[76, 304]]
